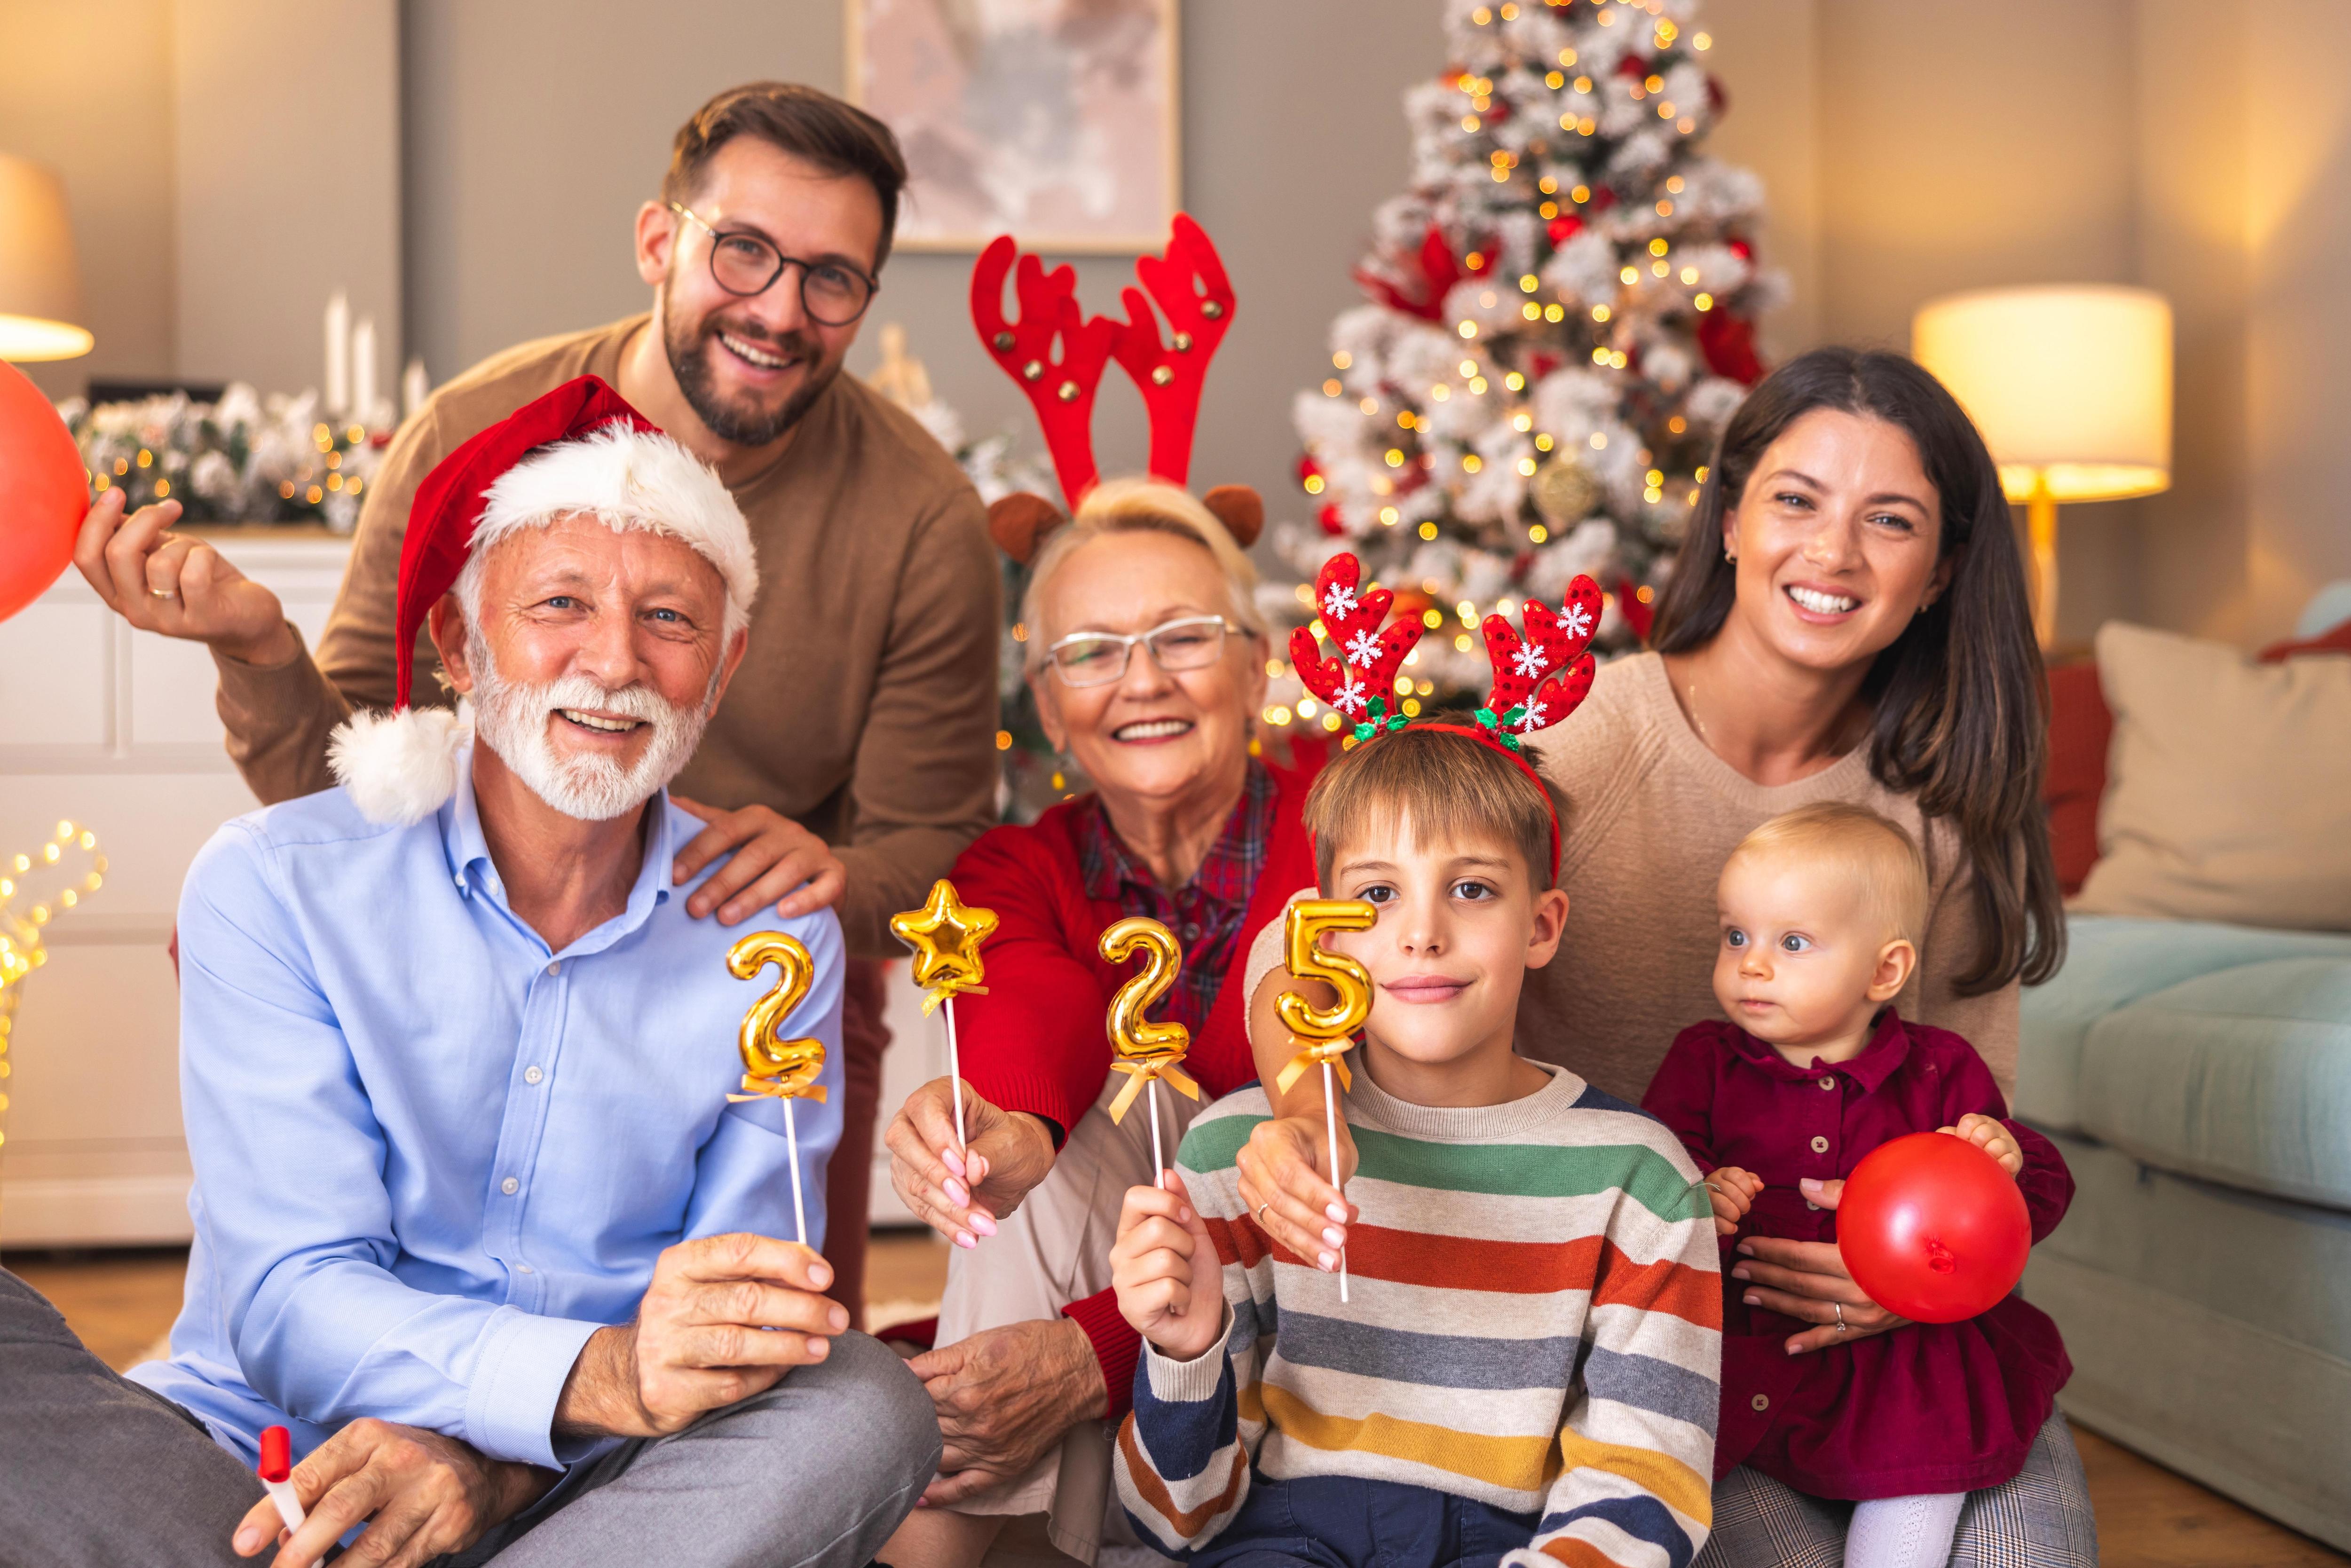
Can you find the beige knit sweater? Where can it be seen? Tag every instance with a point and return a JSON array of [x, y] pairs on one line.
[[1651, 816]]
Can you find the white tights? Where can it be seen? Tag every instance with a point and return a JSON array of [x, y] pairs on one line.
[[1903, 1532]]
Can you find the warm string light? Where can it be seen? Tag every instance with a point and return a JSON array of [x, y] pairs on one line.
[[23, 931]]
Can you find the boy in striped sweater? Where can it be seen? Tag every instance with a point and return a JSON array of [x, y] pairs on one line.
[[1527, 1371]]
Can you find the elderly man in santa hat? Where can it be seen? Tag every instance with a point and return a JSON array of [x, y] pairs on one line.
[[456, 1074]]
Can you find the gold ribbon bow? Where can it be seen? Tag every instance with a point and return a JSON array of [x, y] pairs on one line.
[[1333, 1051], [1142, 1073]]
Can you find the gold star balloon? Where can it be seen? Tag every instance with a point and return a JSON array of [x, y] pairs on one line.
[[945, 936]]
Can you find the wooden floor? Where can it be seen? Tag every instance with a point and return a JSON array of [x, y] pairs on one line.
[[122, 1303]]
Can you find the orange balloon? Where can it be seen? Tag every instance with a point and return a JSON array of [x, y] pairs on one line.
[[44, 492]]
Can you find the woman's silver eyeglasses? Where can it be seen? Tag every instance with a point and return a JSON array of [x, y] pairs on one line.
[[1099, 658], [833, 293]]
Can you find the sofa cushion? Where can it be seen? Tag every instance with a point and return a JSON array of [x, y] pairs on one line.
[[2111, 961], [2241, 1076], [2229, 785]]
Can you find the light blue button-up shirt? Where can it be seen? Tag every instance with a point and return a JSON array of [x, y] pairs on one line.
[[431, 1155]]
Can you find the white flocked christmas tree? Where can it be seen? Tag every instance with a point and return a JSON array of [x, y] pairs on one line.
[[1560, 317]]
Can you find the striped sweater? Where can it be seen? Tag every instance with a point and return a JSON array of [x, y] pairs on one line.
[[1535, 1324]]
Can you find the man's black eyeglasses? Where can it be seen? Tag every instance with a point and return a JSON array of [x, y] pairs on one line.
[[833, 293]]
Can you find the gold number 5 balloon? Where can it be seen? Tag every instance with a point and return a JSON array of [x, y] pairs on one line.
[[1329, 1031], [1330, 1028]]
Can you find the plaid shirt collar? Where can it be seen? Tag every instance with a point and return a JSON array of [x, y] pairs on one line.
[[1116, 874]]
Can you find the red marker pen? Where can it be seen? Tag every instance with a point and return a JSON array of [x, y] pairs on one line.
[[276, 1464]]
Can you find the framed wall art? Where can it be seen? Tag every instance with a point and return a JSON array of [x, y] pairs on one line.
[[1052, 120]]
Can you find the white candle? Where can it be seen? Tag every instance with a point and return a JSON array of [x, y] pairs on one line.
[[363, 370], [415, 388], [338, 348]]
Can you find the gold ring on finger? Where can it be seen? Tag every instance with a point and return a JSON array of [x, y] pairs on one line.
[[164, 592]]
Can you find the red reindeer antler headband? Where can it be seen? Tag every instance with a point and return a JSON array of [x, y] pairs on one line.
[[1539, 679], [1058, 354]]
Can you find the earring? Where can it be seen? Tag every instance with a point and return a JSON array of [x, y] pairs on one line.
[[1061, 767], [1730, 555]]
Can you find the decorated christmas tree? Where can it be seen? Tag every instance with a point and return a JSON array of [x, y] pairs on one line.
[[1560, 317]]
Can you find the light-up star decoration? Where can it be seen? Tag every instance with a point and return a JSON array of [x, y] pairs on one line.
[[945, 936]]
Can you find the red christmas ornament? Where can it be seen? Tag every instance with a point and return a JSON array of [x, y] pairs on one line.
[[1602, 198], [1933, 1229], [1742, 249], [44, 493], [1332, 521], [1728, 341], [1565, 228]]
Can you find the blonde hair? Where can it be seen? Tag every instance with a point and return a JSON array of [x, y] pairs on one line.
[[1140, 507], [1876, 851], [1448, 787]]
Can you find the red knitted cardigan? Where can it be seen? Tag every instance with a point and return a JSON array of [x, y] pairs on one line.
[[1035, 1041]]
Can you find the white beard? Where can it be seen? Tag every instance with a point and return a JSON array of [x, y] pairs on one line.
[[512, 720]]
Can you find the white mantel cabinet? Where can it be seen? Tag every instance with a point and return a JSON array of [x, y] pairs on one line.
[[116, 729]]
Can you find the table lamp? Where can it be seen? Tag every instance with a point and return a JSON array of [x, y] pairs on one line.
[[40, 289], [2071, 386]]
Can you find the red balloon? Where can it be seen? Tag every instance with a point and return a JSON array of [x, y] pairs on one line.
[[44, 492], [1933, 1229]]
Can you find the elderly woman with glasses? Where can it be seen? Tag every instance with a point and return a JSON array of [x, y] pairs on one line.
[[1147, 657]]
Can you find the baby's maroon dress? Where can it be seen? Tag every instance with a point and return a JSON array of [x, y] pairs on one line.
[[1928, 1407]]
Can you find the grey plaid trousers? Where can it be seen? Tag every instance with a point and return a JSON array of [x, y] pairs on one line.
[[2040, 1519]]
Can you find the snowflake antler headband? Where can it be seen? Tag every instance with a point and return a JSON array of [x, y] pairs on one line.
[[1540, 677], [1057, 354]]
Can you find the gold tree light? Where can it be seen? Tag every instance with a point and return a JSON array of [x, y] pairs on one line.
[[36, 888]]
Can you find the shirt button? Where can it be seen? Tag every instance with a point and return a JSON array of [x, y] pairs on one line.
[[1820, 1146], [1828, 1080], [556, 967], [1761, 1402], [510, 1186], [1191, 930], [1809, 1204], [532, 1075]]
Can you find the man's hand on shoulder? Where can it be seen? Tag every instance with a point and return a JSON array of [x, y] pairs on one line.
[[420, 1494], [724, 1318], [176, 585], [776, 862]]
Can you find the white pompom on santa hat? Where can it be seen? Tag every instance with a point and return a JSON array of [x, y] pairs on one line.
[[580, 450]]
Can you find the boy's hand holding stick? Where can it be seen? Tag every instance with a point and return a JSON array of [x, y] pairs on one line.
[[1164, 1267]]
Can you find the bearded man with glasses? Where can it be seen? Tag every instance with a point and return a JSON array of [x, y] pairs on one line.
[[853, 756]]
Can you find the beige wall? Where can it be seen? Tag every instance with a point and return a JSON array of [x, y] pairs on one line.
[[86, 89], [286, 149]]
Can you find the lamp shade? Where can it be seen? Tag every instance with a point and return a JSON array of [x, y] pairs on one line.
[[40, 289], [2070, 385]]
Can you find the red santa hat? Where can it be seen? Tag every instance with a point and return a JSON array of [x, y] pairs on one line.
[[580, 449]]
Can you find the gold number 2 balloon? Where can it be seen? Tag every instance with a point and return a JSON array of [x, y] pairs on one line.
[[786, 1068], [1145, 1050]]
